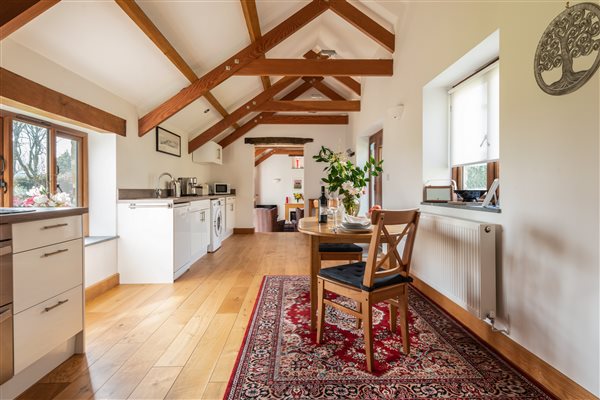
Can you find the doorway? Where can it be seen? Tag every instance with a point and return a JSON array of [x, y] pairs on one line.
[[376, 182]]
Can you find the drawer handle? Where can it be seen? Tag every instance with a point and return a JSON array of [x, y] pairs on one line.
[[54, 253], [53, 226], [60, 303]]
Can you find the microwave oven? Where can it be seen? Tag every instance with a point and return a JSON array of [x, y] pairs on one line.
[[221, 188]]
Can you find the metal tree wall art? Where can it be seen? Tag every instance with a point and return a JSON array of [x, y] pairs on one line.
[[573, 37]]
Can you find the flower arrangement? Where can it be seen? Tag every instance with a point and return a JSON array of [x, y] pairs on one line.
[[298, 196], [346, 178], [40, 197]]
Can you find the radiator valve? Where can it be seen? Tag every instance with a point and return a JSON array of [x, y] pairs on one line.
[[491, 319]]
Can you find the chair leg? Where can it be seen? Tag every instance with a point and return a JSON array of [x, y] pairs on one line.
[[367, 327], [321, 310], [403, 300], [393, 317], [359, 309]]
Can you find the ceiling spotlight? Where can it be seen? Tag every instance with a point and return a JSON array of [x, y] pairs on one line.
[[327, 53], [207, 110]]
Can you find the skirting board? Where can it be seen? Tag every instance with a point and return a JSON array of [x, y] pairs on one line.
[[100, 287], [243, 231], [547, 376]]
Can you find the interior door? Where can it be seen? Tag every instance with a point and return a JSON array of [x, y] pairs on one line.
[[376, 182]]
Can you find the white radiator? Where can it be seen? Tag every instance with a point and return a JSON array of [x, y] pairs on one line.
[[457, 258]]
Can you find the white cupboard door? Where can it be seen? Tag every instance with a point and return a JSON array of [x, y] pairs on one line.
[[205, 228], [182, 249], [41, 328], [230, 214], [196, 237], [46, 272]]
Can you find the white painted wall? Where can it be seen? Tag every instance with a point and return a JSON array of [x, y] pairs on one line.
[[100, 261], [238, 162], [274, 178], [549, 275], [102, 184]]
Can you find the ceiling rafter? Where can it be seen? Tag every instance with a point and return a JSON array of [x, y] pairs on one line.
[[230, 66], [15, 14], [247, 108], [251, 17], [364, 23], [248, 126], [266, 155], [137, 15], [308, 106], [318, 67], [305, 119], [347, 81], [328, 91]]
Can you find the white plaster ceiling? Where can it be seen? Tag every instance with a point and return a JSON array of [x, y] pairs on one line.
[[98, 41]]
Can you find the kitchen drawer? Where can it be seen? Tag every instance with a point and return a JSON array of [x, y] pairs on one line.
[[43, 273], [31, 235], [43, 327]]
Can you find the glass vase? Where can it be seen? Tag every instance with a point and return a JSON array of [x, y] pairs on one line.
[[351, 205]]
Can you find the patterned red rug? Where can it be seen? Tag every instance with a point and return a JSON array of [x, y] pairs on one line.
[[279, 358]]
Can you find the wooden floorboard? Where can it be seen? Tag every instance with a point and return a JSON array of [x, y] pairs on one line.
[[176, 341]]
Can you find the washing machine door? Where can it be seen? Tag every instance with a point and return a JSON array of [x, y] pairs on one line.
[[218, 224]]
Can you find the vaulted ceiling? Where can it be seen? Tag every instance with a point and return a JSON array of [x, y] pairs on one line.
[[99, 41]]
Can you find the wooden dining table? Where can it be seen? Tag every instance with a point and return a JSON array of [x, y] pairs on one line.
[[323, 233]]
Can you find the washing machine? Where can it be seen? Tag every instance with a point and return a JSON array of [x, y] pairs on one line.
[[217, 223]]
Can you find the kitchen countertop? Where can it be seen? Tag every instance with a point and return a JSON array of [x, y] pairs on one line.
[[176, 200], [42, 213]]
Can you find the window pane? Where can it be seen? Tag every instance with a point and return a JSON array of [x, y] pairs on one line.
[[475, 177], [67, 171], [30, 160]]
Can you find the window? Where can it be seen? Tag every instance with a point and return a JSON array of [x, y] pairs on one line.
[[41, 158], [474, 129]]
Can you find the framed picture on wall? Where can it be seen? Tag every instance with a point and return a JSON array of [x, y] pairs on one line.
[[297, 184], [167, 142]]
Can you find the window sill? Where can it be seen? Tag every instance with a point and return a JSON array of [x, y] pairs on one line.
[[466, 206], [92, 240]]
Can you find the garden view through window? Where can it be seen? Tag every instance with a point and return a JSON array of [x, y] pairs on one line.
[[46, 166]]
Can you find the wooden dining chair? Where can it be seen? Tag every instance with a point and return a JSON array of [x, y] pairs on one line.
[[383, 277], [340, 251]]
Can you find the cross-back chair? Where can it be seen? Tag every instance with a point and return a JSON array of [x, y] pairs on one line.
[[383, 277]]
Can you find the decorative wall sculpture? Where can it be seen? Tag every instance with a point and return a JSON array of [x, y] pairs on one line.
[[571, 42]]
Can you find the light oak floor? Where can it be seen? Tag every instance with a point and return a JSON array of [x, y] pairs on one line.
[[176, 341]]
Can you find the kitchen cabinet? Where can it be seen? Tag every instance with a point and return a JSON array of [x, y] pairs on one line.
[[229, 216], [200, 228], [209, 153], [159, 239], [48, 287]]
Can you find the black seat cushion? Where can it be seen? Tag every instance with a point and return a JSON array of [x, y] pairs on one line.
[[339, 248], [352, 275]]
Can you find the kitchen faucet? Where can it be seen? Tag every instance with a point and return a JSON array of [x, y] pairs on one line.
[[158, 191]]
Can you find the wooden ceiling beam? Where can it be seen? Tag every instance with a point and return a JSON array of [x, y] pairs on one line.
[[264, 157], [247, 108], [22, 93], [284, 119], [364, 23], [230, 66], [140, 18], [248, 126], [317, 67], [347, 81], [328, 91], [253, 25], [15, 14], [304, 106]]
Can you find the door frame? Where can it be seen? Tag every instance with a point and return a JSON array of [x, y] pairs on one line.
[[376, 151]]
